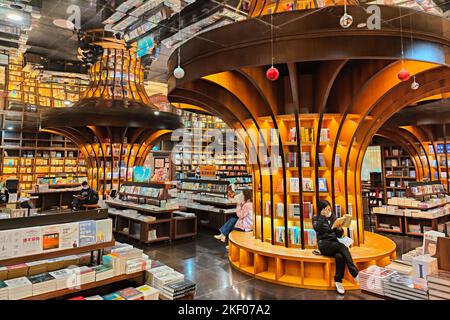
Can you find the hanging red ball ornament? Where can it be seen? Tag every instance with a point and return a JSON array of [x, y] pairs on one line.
[[403, 75], [272, 74]]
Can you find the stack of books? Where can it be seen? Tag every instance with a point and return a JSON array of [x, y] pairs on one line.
[[19, 288], [402, 287], [178, 289], [136, 265], [42, 283], [439, 285], [372, 278], [83, 274], [148, 292], [163, 278], [103, 272], [401, 267], [3, 291], [130, 294], [64, 278]]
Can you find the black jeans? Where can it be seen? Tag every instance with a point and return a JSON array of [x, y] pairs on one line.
[[340, 252]]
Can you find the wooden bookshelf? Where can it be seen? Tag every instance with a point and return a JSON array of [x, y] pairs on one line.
[[54, 90], [190, 157], [396, 162], [28, 155]]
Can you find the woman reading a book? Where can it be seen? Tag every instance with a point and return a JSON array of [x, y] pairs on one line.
[[329, 230], [243, 221]]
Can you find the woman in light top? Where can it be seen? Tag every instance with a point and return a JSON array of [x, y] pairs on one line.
[[243, 220]]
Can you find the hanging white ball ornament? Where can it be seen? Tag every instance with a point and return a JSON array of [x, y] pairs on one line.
[[179, 73], [415, 85], [346, 21]]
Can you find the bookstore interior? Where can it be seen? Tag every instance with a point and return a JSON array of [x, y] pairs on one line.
[[224, 150]]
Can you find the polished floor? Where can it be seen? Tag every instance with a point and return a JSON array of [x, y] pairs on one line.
[[204, 261]]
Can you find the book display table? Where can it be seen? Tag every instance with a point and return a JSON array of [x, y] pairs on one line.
[[301, 268], [153, 219]]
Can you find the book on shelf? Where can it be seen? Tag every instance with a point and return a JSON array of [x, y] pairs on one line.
[[307, 134], [323, 185], [324, 135], [279, 234], [50, 238], [322, 162], [69, 235], [292, 135], [294, 184], [291, 159], [279, 210], [267, 211], [308, 210], [293, 210], [306, 159], [307, 185], [87, 234], [26, 241], [294, 235]]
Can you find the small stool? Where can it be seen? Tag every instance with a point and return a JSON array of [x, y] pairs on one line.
[[90, 206]]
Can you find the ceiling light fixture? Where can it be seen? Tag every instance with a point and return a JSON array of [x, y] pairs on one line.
[[64, 24]]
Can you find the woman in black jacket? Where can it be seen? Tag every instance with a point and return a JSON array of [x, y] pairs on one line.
[[329, 244]]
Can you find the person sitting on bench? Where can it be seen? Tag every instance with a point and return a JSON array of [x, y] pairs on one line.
[[86, 196], [243, 221], [329, 245]]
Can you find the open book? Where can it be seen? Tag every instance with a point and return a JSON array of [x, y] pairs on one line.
[[345, 221]]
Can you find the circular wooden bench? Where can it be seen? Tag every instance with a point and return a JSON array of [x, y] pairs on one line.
[[301, 268]]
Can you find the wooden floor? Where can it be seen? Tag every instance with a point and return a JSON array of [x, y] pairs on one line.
[[301, 268]]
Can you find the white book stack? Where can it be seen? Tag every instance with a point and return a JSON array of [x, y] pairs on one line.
[[3, 291], [402, 287], [64, 279], [401, 267], [43, 283], [102, 273], [150, 274], [162, 279], [19, 288], [178, 289], [148, 292], [136, 265], [439, 285], [372, 278], [86, 274]]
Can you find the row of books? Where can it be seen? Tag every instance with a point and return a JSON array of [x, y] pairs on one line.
[[427, 189], [36, 240], [204, 186], [141, 191], [144, 292], [307, 185], [293, 210], [294, 234]]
